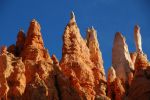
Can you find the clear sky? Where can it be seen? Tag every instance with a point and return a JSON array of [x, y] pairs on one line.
[[107, 16]]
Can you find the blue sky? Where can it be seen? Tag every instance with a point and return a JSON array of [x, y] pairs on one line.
[[107, 16]]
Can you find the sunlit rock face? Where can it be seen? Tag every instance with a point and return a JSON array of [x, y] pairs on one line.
[[137, 38], [79, 64], [75, 62], [27, 72], [33, 48], [12, 75], [38, 64], [121, 60], [96, 58], [95, 53], [139, 88]]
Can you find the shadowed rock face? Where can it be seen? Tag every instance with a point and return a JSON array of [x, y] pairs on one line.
[[140, 88], [27, 72], [115, 86], [20, 42]]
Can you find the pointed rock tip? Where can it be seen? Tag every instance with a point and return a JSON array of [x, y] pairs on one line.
[[21, 30], [35, 23], [91, 34], [111, 69], [89, 29], [21, 33], [92, 28], [118, 35], [3, 49], [53, 57], [72, 15], [111, 74], [33, 20], [136, 28], [55, 60]]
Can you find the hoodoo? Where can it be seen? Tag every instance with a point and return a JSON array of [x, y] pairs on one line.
[[28, 72]]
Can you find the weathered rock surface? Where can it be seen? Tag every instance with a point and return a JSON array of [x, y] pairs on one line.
[[95, 53], [75, 63], [12, 76], [115, 86], [33, 46], [96, 58], [36, 90], [140, 88], [137, 39], [110, 84], [20, 42], [121, 60], [27, 72], [78, 63]]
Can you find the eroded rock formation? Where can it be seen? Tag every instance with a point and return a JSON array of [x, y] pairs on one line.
[[115, 86], [85, 72], [140, 88], [12, 75], [27, 72], [137, 38], [121, 60]]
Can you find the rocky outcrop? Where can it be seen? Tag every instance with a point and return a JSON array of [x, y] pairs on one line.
[[137, 39], [20, 42], [36, 90], [33, 48], [96, 58], [140, 88], [38, 63], [138, 81], [115, 86], [95, 53], [121, 60], [75, 62], [27, 72], [78, 64], [133, 57], [110, 84], [12, 76]]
